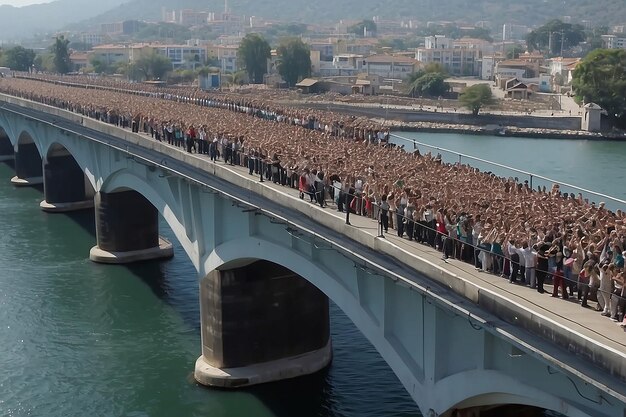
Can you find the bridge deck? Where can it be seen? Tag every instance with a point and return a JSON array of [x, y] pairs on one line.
[[567, 313], [573, 328]]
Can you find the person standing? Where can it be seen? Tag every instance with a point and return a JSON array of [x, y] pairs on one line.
[[349, 196], [384, 214]]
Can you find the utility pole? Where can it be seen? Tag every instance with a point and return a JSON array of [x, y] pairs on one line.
[[562, 42], [550, 43]]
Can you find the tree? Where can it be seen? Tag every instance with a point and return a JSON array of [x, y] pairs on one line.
[[19, 58], [362, 27], [100, 66], [60, 50], [476, 97], [601, 78], [513, 52], [150, 66], [554, 34], [431, 84], [254, 51], [295, 60], [428, 81]]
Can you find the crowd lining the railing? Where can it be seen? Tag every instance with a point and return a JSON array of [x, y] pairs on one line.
[[500, 225]]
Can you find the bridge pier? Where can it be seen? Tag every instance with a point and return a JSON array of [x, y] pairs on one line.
[[7, 152], [127, 229], [261, 323], [65, 186], [28, 167]]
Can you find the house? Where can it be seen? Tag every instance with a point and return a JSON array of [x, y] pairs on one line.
[[367, 84], [342, 64], [517, 90], [562, 70], [110, 54], [518, 68], [390, 66], [79, 61], [309, 85]]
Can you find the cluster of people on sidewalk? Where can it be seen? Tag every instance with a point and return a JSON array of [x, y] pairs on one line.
[[501, 225]]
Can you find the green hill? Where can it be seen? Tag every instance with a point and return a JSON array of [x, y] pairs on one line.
[[19, 22], [497, 12]]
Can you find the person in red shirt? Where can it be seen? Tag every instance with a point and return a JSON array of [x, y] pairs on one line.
[[559, 281]]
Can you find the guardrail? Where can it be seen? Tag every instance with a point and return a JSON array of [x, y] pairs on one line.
[[521, 175]]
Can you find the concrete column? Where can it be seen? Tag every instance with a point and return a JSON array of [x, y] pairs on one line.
[[6, 149], [127, 229], [28, 167], [261, 323], [65, 186]]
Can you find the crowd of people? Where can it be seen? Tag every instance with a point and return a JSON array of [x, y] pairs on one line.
[[500, 225]]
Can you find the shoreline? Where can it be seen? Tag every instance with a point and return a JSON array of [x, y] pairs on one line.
[[400, 124]]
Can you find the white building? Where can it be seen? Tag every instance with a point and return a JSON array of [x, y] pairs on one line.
[[613, 42], [488, 66], [183, 56], [458, 57], [390, 66], [342, 64]]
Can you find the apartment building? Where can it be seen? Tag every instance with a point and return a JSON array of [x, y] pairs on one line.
[[461, 57], [390, 66], [613, 42], [183, 56]]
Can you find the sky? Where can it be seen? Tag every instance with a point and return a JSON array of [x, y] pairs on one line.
[[19, 3]]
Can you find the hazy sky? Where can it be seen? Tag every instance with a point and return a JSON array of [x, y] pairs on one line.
[[22, 2]]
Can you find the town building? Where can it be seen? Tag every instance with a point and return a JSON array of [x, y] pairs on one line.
[[390, 66], [226, 55], [91, 38], [460, 57], [183, 56], [613, 42], [79, 61], [110, 54], [342, 65]]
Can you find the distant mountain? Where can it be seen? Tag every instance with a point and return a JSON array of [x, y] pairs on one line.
[[19, 22], [26, 21], [497, 12]]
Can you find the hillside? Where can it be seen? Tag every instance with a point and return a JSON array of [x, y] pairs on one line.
[[41, 18], [497, 12], [18, 22]]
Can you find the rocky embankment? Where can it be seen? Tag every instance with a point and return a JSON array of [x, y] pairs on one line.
[[492, 130]]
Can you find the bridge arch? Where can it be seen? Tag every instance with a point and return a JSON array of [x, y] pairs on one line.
[[67, 185], [7, 150], [7, 128], [476, 389], [60, 148], [160, 196], [28, 160], [237, 252]]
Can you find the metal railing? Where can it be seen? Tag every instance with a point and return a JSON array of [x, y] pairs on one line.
[[521, 175]]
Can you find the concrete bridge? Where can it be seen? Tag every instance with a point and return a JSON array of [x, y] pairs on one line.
[[268, 262]]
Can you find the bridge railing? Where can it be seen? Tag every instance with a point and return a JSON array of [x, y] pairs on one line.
[[534, 179], [423, 232]]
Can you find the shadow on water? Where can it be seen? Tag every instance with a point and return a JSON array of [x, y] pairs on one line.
[[10, 163], [307, 396], [179, 296], [85, 219]]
